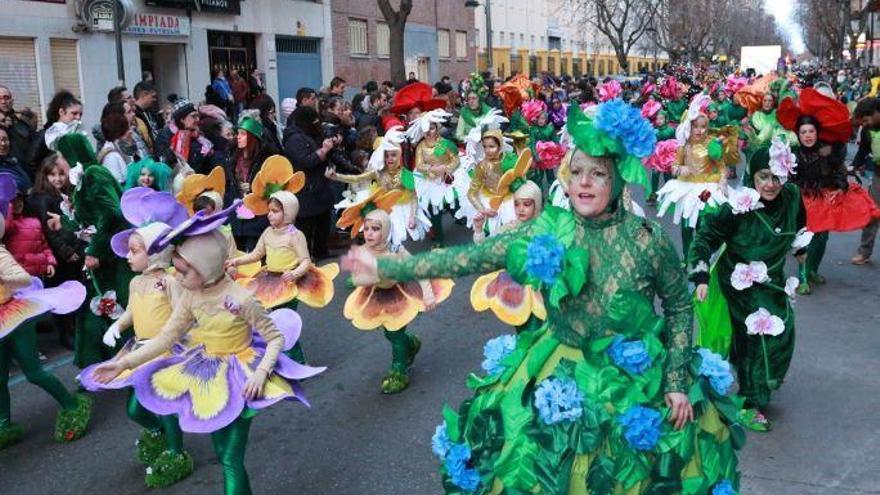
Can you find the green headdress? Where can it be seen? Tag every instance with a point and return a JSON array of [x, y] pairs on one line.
[[76, 149], [251, 125], [161, 174], [617, 131]]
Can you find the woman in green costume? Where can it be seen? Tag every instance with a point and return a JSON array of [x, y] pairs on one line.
[[760, 225], [96, 204], [763, 127], [580, 404], [470, 114]]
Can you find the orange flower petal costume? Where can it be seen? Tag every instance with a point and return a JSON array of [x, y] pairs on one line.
[[516, 91], [393, 307], [353, 216], [276, 175], [511, 302], [194, 185], [751, 96], [314, 289]]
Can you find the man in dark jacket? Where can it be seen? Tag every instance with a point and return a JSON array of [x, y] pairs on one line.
[[301, 138], [20, 134]]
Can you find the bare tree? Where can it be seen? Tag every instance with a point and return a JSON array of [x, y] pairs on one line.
[[839, 23], [621, 22], [396, 20]]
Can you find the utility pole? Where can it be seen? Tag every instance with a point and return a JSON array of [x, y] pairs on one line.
[[117, 31]]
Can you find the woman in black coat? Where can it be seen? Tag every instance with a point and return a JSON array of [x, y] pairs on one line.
[[301, 138]]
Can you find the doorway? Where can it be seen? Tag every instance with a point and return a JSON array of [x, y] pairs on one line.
[[166, 62], [422, 66], [228, 50]]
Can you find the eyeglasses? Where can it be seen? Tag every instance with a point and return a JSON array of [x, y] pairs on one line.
[[5, 97]]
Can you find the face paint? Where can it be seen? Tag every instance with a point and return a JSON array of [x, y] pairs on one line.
[[590, 185], [767, 184]]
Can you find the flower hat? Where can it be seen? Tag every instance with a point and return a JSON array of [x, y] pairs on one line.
[[420, 126], [152, 213], [695, 109], [391, 141], [198, 224], [416, 95], [750, 96], [833, 115], [613, 129], [514, 92], [354, 215], [533, 109], [513, 176], [194, 185], [276, 175]]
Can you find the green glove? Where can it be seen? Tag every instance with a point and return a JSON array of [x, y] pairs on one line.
[[715, 149]]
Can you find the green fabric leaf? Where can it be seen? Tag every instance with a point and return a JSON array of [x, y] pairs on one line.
[[633, 172], [565, 228], [272, 188], [517, 253], [508, 162], [600, 477], [558, 291], [452, 427], [443, 146], [407, 180], [575, 272], [714, 149]]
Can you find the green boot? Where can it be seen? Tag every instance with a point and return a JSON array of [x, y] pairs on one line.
[[817, 279], [169, 468], [804, 288], [415, 345], [10, 435], [71, 424], [754, 420], [404, 348], [150, 445], [395, 382]]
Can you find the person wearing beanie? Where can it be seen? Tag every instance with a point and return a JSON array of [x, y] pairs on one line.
[[289, 276], [762, 224], [181, 139], [152, 295], [22, 298], [230, 364]]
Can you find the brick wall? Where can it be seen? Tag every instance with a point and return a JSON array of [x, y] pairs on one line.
[[449, 14]]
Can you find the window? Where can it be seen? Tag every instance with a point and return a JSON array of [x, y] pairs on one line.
[[461, 44], [533, 43], [501, 38], [443, 42], [383, 37], [522, 41], [357, 37]]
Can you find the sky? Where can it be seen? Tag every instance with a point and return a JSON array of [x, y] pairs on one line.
[[783, 12]]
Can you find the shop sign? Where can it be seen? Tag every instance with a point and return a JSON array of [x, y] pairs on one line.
[[220, 6], [158, 25]]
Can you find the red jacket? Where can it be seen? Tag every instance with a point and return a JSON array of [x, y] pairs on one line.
[[25, 240]]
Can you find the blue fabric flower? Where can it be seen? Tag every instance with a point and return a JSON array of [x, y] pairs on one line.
[[724, 488], [544, 258], [630, 355], [641, 427], [495, 351], [456, 467], [558, 400], [717, 370], [625, 123], [440, 442]]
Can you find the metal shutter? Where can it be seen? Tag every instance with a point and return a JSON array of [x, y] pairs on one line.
[[18, 71], [65, 65]]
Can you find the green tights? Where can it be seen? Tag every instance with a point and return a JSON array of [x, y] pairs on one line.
[[401, 345], [229, 445], [296, 352], [687, 237], [437, 225], [155, 423], [21, 345], [815, 253]]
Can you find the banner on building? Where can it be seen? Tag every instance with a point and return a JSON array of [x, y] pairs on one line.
[[219, 6], [158, 25]]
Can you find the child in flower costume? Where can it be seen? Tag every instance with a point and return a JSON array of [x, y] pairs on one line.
[[152, 294], [387, 173], [390, 305], [515, 304], [289, 275], [727, 133], [436, 160], [96, 204], [232, 364], [487, 197], [541, 131], [201, 192], [748, 311], [22, 299], [578, 405], [148, 173], [700, 176], [474, 108]]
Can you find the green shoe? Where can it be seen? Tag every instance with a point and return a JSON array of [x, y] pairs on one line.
[[394, 382], [150, 446], [804, 289], [415, 346], [817, 279], [169, 468], [754, 420], [10, 435], [71, 424]]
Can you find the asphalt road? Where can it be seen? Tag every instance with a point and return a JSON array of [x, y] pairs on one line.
[[354, 440]]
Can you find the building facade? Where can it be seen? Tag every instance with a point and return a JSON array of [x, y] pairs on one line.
[[49, 45], [438, 41], [541, 36]]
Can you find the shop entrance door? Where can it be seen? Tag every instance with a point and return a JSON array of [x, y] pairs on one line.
[[166, 62], [299, 65]]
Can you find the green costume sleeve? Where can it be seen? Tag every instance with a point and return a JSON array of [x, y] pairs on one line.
[[452, 262], [712, 232], [671, 286]]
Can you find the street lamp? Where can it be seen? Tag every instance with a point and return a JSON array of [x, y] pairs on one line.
[[471, 4]]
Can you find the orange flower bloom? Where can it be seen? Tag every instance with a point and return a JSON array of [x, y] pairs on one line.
[[276, 175], [315, 288], [391, 308], [353, 216], [195, 184]]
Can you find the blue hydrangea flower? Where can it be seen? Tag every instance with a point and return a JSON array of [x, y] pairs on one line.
[[641, 427], [625, 122], [724, 488], [558, 400], [456, 461], [440, 442], [717, 370], [630, 355], [544, 258], [495, 351]]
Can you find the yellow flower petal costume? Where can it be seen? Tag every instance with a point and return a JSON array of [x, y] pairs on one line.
[[392, 307], [195, 185], [276, 175], [511, 302]]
